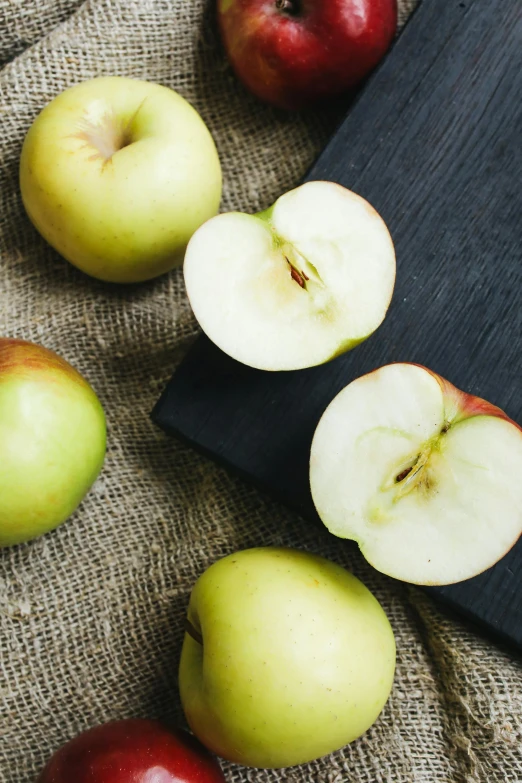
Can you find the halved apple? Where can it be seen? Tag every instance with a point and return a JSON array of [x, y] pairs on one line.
[[296, 285], [426, 478]]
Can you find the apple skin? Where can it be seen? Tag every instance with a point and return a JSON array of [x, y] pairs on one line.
[[117, 174], [132, 751], [287, 658], [465, 405], [52, 440], [293, 53]]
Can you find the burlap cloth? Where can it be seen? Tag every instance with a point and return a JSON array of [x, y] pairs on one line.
[[90, 615]]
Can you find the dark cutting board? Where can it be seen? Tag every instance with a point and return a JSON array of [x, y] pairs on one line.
[[434, 142]]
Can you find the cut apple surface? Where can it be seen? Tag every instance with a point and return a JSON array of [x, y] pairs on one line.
[[296, 285], [426, 478]]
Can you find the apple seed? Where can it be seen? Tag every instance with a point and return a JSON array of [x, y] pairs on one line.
[[402, 475], [299, 277]]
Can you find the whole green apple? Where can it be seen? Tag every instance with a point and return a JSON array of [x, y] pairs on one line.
[[117, 174], [287, 657], [52, 440]]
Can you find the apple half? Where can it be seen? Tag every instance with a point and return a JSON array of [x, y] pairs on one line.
[[296, 285], [424, 477]]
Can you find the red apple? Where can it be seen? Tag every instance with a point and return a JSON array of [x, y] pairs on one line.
[[52, 440], [292, 53], [425, 477], [132, 751]]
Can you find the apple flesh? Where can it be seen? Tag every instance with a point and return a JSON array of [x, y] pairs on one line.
[[426, 478], [293, 53], [296, 285], [117, 174], [52, 440], [132, 751], [287, 657]]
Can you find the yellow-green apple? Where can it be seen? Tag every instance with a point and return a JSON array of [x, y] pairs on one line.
[[426, 478], [117, 174], [52, 440], [132, 751], [292, 53], [287, 657], [296, 285]]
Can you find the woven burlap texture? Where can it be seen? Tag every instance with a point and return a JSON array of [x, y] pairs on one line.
[[91, 614]]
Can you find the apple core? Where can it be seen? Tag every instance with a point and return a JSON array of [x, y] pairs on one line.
[[106, 136]]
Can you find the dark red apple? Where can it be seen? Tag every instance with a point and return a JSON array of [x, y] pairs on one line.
[[293, 53], [132, 751]]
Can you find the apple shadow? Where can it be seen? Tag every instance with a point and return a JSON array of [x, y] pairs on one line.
[[28, 255], [163, 700]]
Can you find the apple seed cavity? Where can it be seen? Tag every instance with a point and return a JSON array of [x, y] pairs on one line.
[[416, 475]]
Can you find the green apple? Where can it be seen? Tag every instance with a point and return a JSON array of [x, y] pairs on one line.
[[117, 174], [425, 477], [287, 657], [296, 285], [52, 440]]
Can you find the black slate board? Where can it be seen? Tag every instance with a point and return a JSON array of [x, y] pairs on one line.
[[434, 142]]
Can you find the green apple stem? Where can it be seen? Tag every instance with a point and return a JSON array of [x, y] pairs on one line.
[[193, 632]]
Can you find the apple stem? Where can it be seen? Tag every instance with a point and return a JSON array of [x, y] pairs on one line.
[[290, 7], [189, 628]]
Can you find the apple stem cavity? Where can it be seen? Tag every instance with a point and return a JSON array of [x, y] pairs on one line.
[[193, 632], [290, 7]]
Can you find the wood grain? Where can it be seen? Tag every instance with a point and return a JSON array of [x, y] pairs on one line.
[[434, 142]]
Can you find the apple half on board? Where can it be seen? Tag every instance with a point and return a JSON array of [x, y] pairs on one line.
[[424, 477], [296, 285]]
